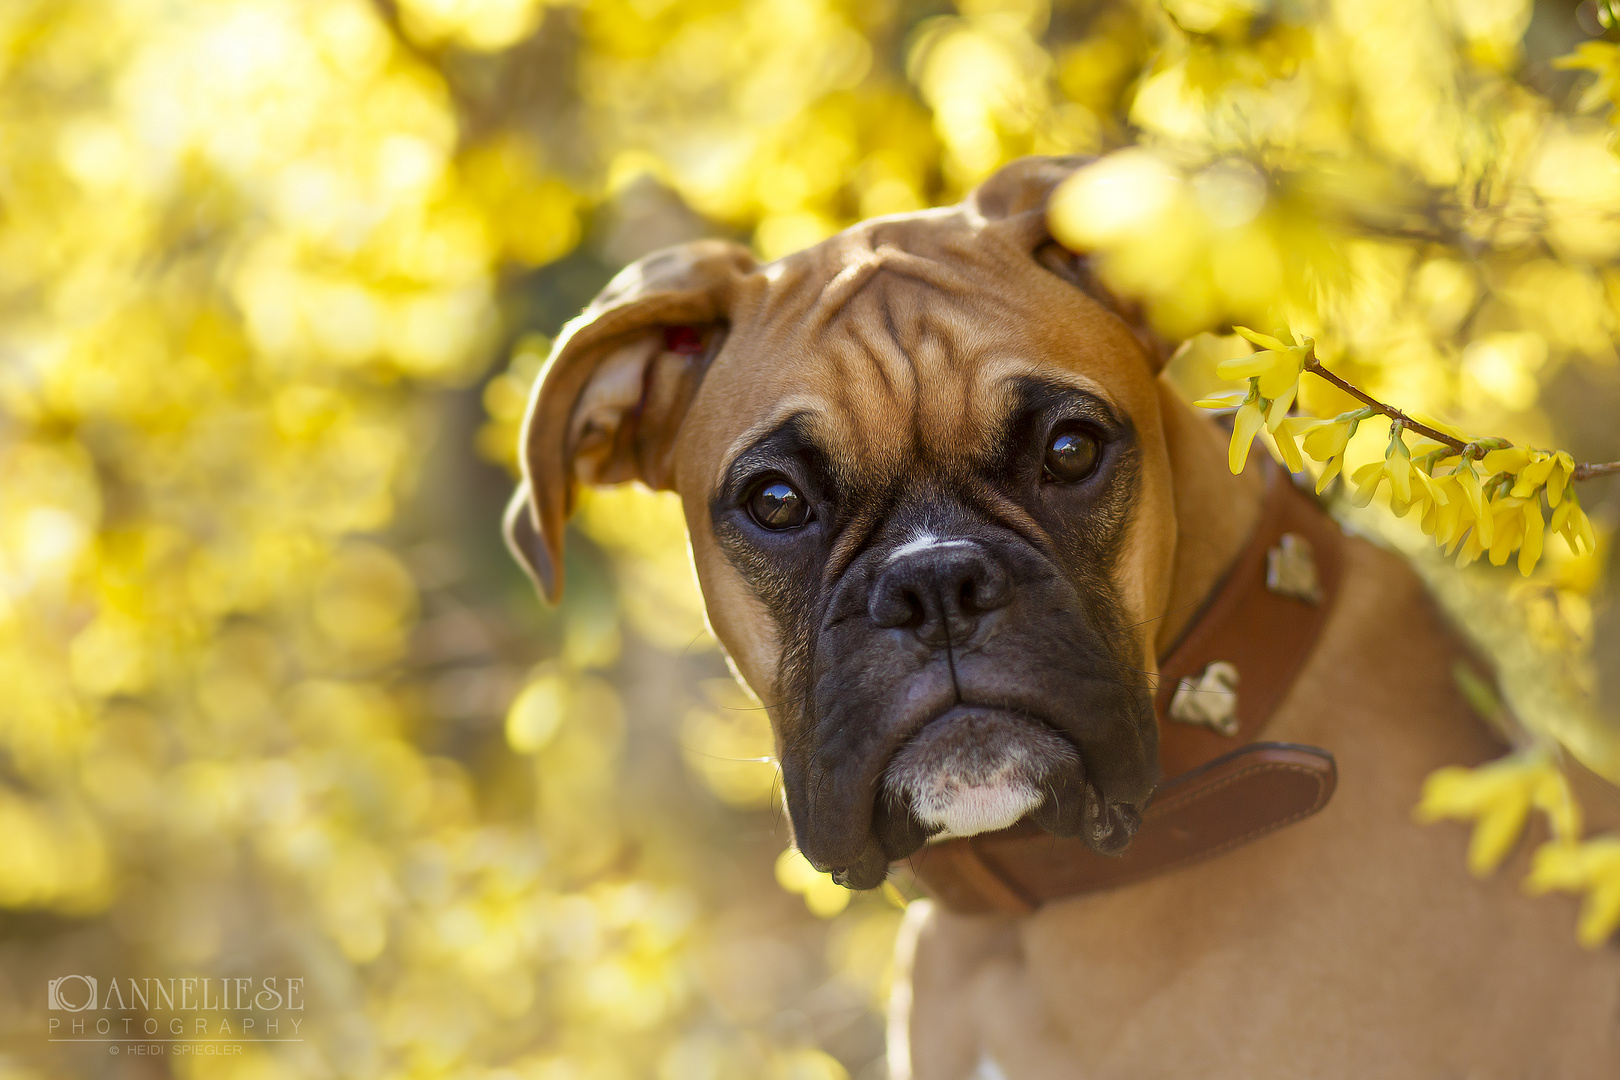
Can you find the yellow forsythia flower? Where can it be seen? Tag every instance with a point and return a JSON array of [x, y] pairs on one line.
[[1223, 400], [1571, 522], [1593, 868], [1277, 366], [1498, 797], [1559, 478], [1452, 513], [1516, 524], [1408, 485], [1602, 57], [1245, 426], [1328, 440], [1509, 459], [1287, 435], [1327, 444], [1468, 484]]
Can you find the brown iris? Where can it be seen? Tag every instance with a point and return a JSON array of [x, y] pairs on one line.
[[777, 505], [1072, 454]]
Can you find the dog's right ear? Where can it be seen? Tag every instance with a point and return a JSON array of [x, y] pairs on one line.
[[615, 390]]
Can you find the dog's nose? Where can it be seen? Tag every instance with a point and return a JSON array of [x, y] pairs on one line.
[[939, 590]]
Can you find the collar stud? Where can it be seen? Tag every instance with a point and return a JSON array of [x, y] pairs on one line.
[[1209, 698], [1291, 569]]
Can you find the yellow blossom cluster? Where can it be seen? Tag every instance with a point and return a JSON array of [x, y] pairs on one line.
[[1602, 58], [1498, 798], [1494, 507]]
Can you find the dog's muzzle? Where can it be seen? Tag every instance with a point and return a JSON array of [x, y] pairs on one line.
[[983, 694]]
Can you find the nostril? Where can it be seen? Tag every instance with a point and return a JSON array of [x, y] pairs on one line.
[[894, 606], [986, 589]]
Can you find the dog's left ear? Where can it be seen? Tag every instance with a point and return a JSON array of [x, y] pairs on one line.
[[1014, 201], [615, 390]]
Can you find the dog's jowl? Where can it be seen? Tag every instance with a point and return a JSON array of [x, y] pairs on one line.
[[948, 516]]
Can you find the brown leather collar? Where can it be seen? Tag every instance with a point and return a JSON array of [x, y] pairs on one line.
[[1218, 689]]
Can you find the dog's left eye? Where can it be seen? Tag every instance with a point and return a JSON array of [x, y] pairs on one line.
[[1072, 454], [777, 505]]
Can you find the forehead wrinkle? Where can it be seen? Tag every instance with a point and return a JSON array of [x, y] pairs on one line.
[[1005, 509], [806, 405], [852, 539], [995, 387], [923, 343], [871, 350], [866, 339], [854, 460], [867, 256]]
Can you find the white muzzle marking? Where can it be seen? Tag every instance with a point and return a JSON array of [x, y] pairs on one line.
[[973, 776]]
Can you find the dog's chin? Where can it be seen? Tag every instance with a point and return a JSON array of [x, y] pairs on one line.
[[976, 770]]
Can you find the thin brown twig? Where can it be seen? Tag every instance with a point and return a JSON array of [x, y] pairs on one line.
[[1591, 470], [1586, 470], [1315, 367]]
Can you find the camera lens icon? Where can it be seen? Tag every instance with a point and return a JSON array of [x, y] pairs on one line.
[[73, 993]]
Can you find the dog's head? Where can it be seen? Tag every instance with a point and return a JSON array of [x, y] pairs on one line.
[[929, 503]]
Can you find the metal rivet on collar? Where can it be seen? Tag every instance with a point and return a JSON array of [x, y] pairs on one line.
[[1291, 569], [1210, 698]]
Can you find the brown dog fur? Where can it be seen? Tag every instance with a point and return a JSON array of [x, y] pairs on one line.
[[1353, 944]]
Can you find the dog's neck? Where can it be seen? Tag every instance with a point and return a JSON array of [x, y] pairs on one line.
[[1215, 511]]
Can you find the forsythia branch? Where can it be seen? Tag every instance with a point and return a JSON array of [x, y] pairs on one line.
[[1314, 366], [1591, 470], [1586, 470], [1475, 496]]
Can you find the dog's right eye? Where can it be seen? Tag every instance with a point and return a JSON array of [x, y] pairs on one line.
[[778, 506]]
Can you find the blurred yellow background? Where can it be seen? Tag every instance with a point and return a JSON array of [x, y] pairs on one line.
[[275, 278]]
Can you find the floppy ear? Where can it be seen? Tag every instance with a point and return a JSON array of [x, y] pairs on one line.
[[615, 390], [1014, 201]]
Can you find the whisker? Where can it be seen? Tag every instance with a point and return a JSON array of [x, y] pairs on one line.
[[721, 757], [1164, 614]]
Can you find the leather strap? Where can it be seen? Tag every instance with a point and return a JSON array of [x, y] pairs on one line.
[[1260, 628]]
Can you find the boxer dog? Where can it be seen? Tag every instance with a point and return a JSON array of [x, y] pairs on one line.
[[946, 515]]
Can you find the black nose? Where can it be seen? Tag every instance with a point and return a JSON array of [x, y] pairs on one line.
[[938, 590]]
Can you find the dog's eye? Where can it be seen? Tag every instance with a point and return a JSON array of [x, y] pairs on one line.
[[777, 505], [1072, 454]]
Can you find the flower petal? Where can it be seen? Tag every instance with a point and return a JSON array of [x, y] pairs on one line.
[[1246, 367], [1282, 379], [1556, 481], [1280, 406], [1328, 441], [1367, 478], [1530, 546], [1265, 341], [1244, 426], [1288, 447], [1224, 400], [1333, 468], [1509, 460]]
